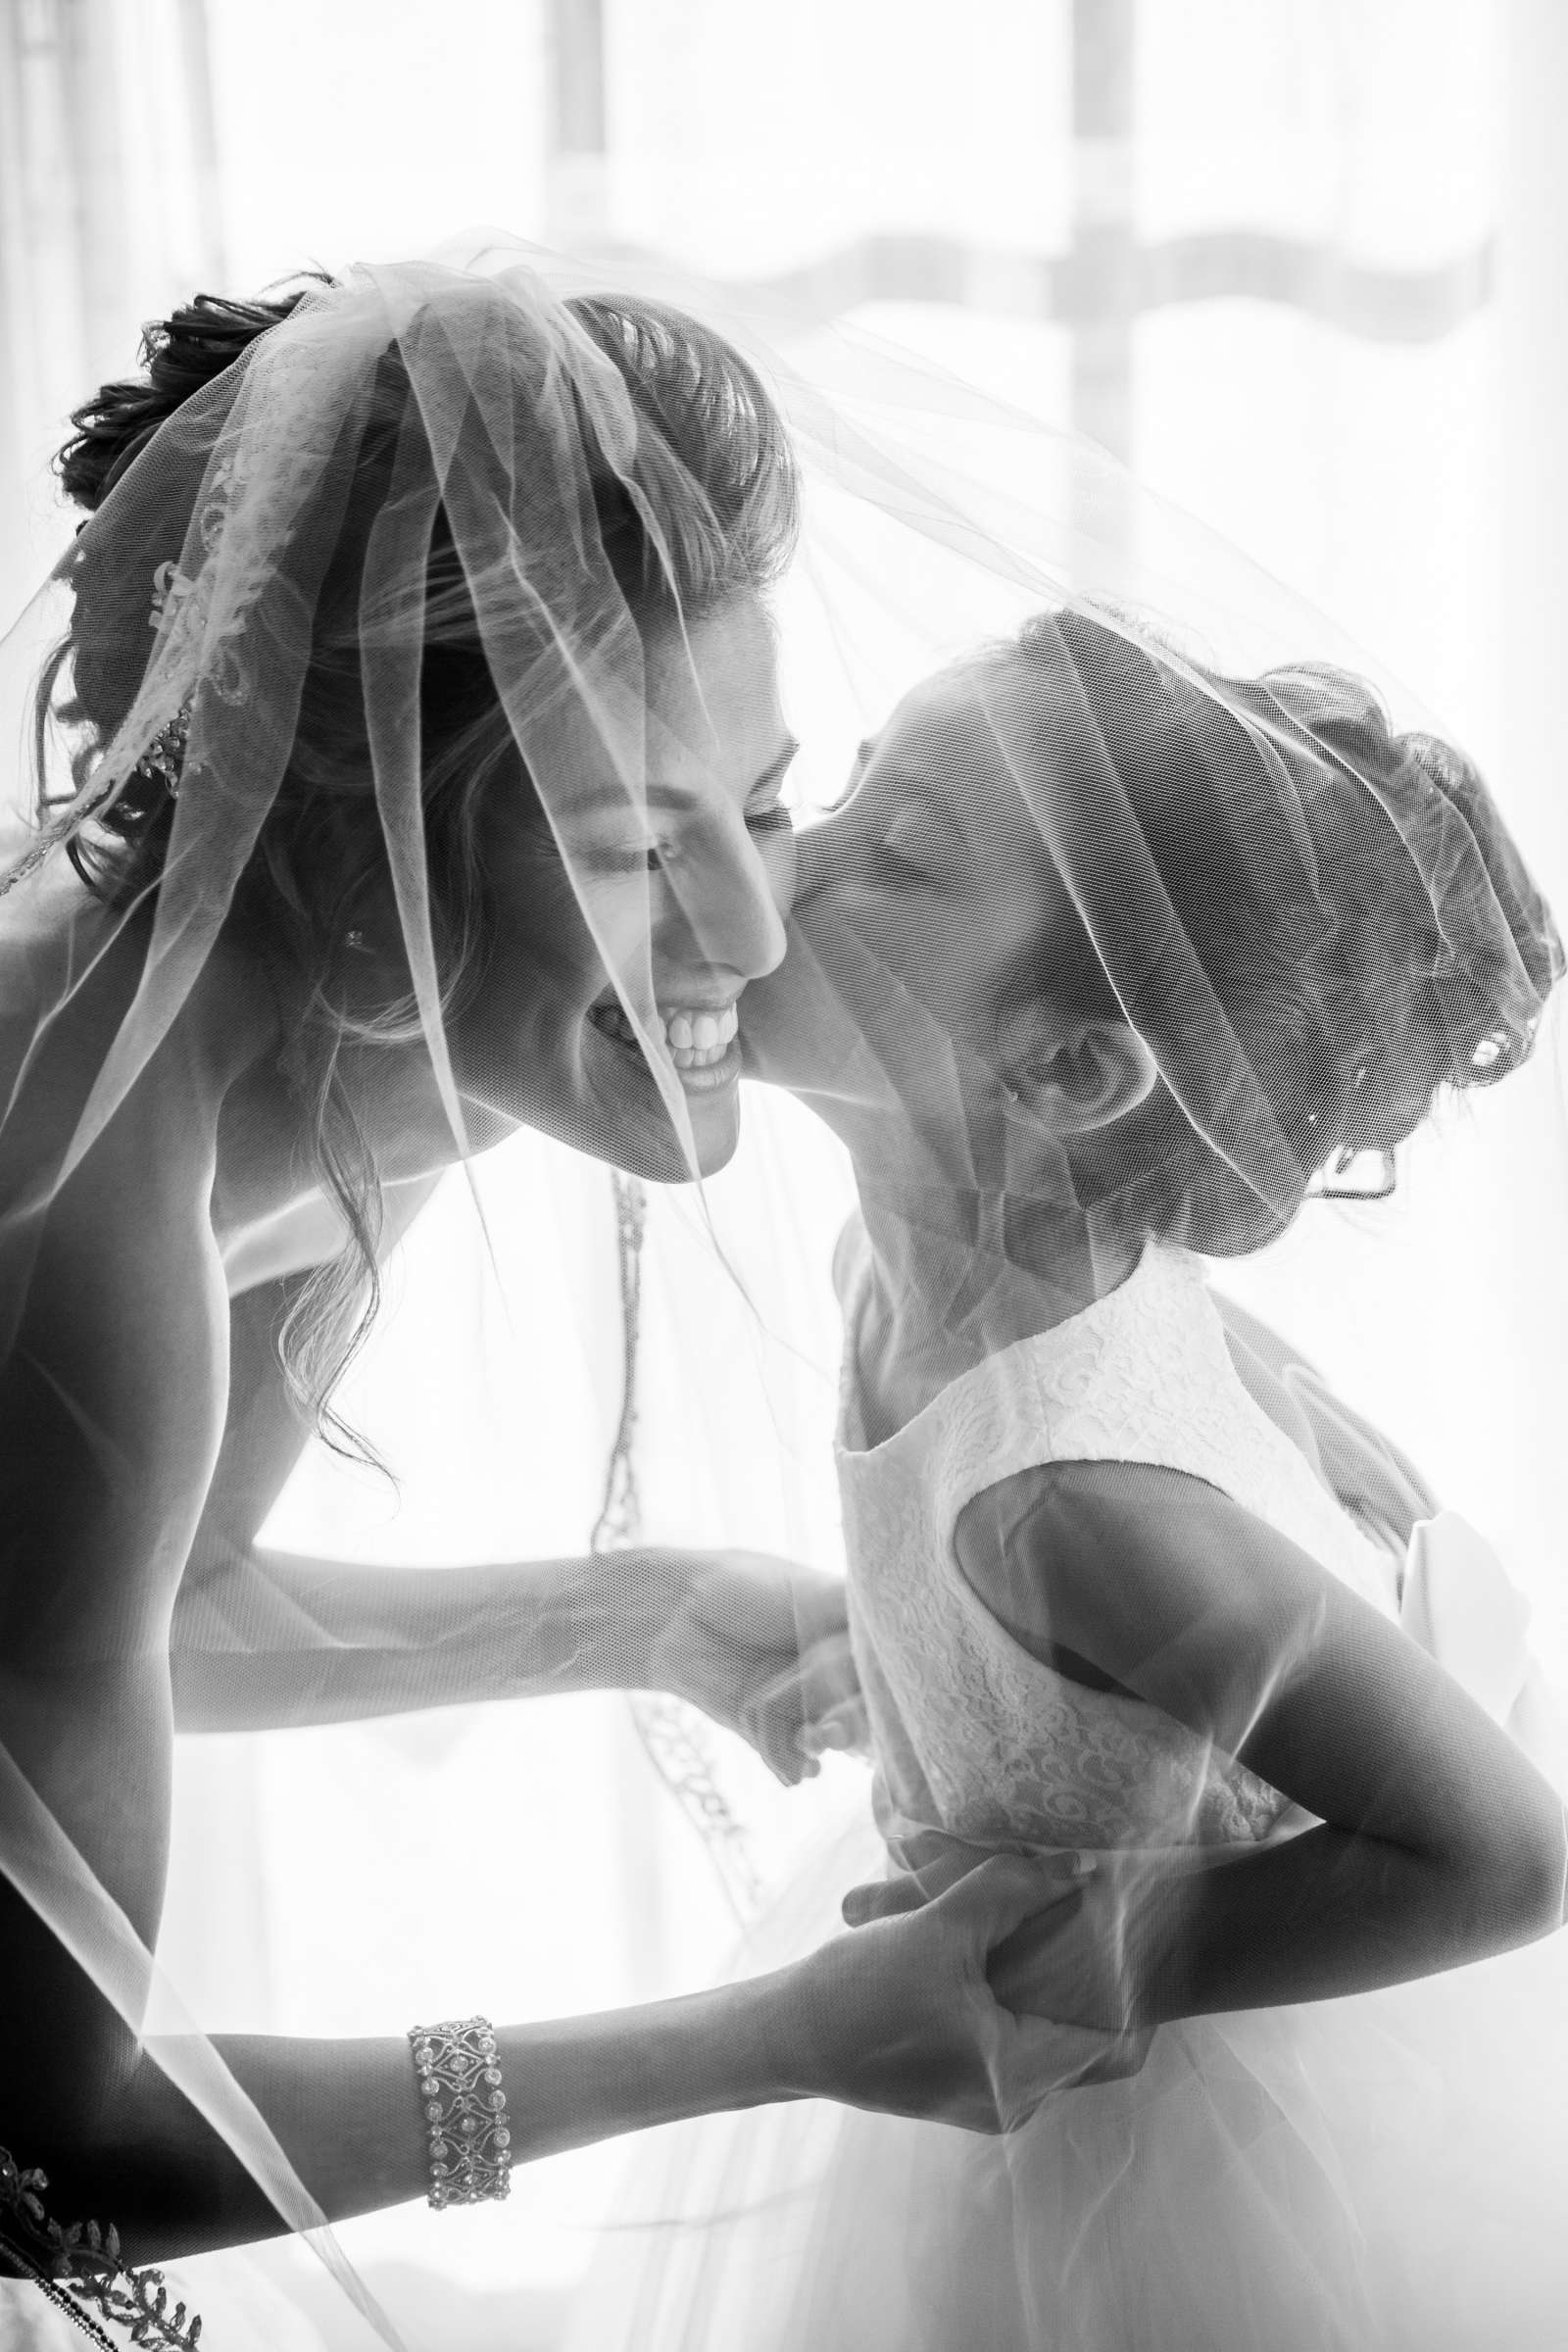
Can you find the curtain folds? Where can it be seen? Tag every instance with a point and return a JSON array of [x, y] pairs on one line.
[[110, 208]]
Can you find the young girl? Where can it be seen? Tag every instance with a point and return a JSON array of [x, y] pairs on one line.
[[1102, 965]]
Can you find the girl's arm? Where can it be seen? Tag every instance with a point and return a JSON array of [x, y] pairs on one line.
[[1438, 1841]]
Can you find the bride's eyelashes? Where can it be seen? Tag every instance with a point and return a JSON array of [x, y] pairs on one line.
[[653, 856], [643, 850]]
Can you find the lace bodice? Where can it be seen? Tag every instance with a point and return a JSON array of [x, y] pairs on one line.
[[972, 1734]]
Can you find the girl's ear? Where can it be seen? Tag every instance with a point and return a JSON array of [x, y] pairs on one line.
[[1080, 1075]]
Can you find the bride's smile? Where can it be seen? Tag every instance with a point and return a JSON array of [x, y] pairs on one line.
[[624, 926], [630, 924]]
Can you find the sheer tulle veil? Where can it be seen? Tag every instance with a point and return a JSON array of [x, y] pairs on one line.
[[1010, 670]]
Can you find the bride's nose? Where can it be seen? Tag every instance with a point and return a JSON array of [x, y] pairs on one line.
[[732, 917]]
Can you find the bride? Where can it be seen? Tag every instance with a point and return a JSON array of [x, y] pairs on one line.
[[1105, 961], [424, 754]]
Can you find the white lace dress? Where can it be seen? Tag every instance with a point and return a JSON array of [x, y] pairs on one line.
[[1389, 2171]]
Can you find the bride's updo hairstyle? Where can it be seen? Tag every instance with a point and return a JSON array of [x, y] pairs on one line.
[[1358, 910], [709, 508], [697, 501]]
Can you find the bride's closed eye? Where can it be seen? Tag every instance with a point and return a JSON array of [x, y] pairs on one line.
[[653, 856]]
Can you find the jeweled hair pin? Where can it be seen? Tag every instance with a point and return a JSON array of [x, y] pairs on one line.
[[163, 760]]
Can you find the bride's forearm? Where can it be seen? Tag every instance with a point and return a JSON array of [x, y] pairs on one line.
[[275, 1638], [347, 2113]]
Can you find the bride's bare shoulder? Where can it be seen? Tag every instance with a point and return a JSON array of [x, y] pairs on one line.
[[72, 973], [107, 1256], [115, 1339]]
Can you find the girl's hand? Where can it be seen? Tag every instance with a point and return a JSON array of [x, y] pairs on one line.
[[901, 2015], [763, 1647]]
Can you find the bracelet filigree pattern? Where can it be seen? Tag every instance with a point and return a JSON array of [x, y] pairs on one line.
[[465, 2110]]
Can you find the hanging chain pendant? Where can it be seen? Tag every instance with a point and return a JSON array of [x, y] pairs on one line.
[[675, 1736]]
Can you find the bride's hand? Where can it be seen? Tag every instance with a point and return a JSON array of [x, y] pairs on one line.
[[762, 1645], [1072, 1963], [899, 2014]]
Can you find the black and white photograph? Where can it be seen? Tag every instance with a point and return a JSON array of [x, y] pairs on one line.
[[783, 1176]]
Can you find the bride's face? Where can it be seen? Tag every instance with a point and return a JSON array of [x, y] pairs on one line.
[[672, 899], [925, 907]]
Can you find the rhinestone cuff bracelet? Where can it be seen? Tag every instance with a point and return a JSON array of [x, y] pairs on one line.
[[465, 2109]]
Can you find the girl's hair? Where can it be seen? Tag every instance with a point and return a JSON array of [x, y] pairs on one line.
[[707, 508], [1356, 990]]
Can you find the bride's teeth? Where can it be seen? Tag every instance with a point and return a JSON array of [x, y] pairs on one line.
[[694, 1039]]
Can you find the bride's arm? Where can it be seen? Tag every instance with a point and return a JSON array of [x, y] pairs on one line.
[[280, 1639], [899, 2018], [113, 1398], [1437, 1841], [265, 1639]]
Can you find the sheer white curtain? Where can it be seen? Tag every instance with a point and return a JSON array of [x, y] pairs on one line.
[[1296, 262], [109, 210]]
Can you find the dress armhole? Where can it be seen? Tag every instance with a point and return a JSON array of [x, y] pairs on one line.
[[980, 1552]]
